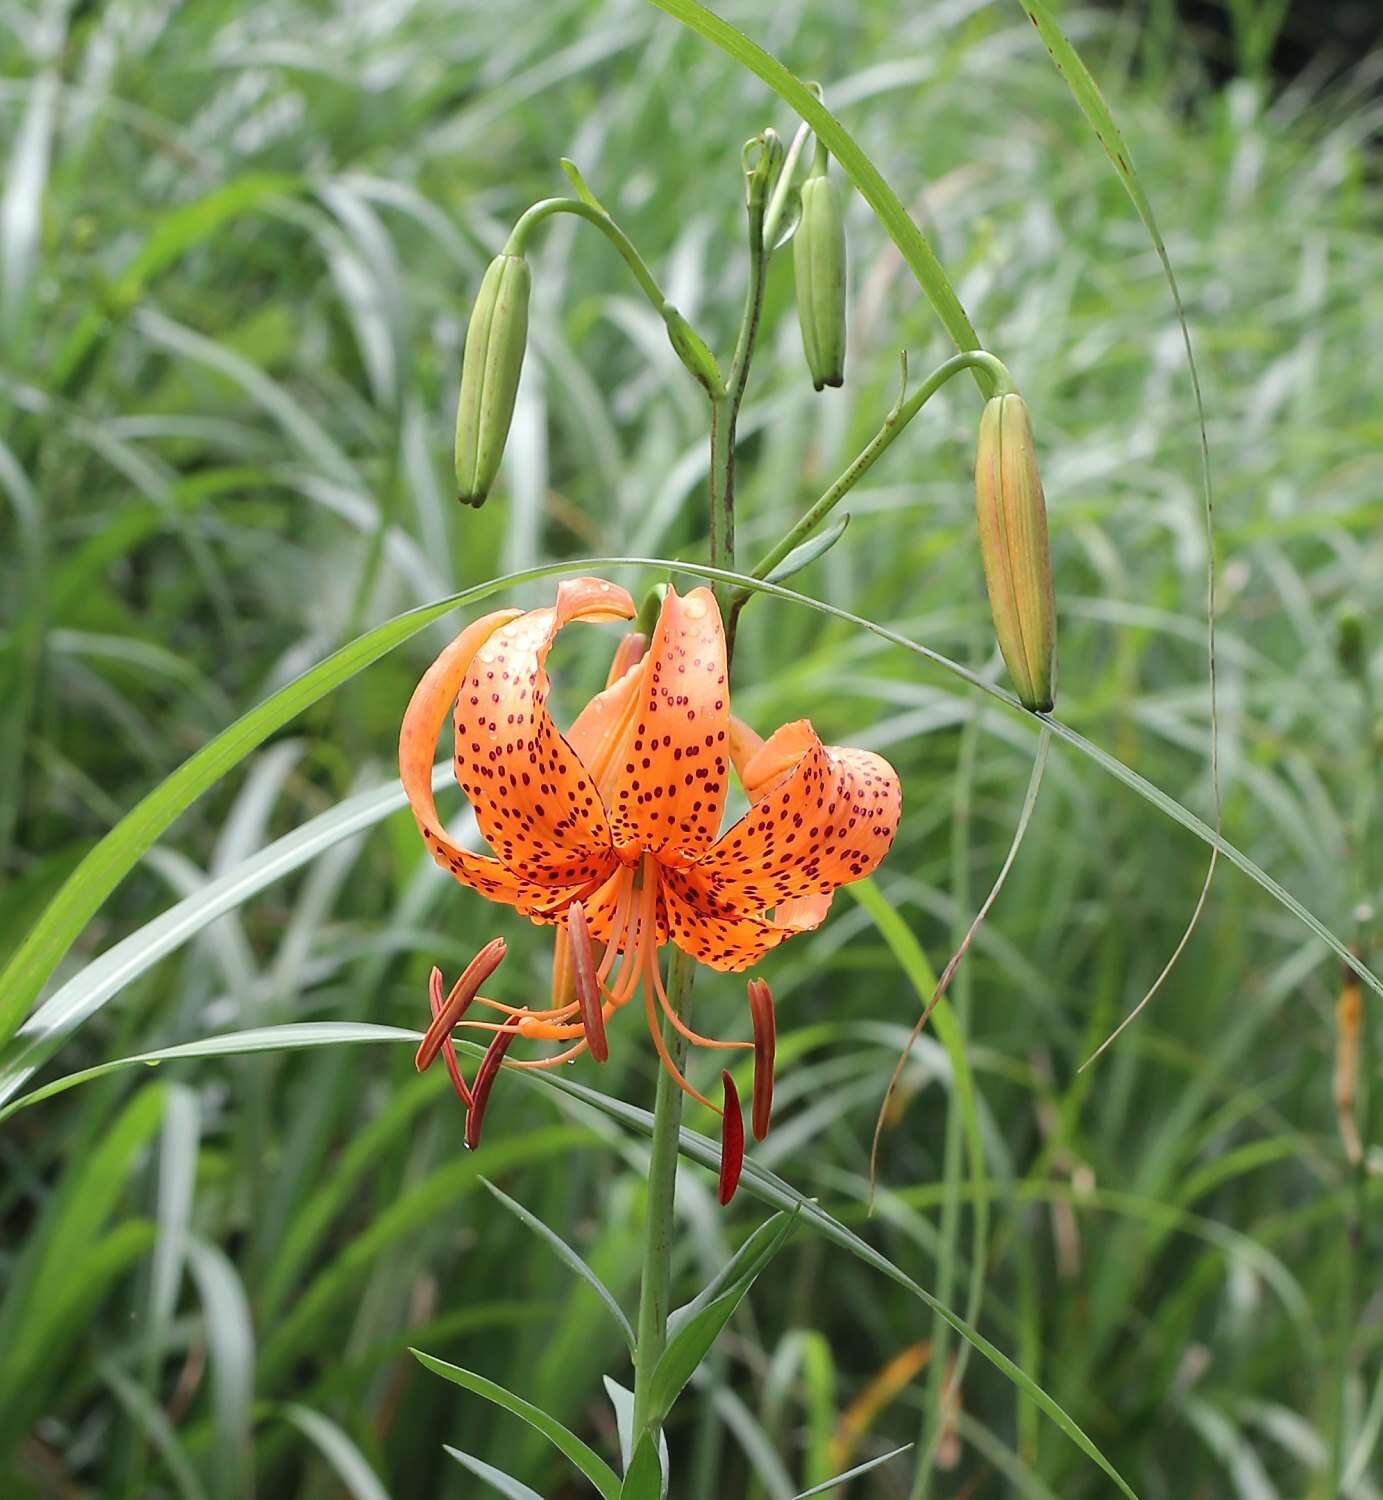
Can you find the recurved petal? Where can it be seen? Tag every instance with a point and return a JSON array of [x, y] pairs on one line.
[[822, 816], [422, 721], [534, 802], [669, 788]]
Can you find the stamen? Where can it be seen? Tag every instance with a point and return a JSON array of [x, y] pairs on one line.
[[526, 1012], [463, 992], [587, 986], [631, 966], [570, 1055], [485, 1081], [731, 1140], [434, 995], [765, 1046], [665, 1057], [619, 927], [694, 1037]]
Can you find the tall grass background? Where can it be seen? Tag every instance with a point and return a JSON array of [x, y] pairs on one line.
[[238, 246]]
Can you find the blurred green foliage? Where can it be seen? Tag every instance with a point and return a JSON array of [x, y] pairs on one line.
[[237, 248]]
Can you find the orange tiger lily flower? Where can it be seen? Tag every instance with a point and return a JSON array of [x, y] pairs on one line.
[[609, 831]]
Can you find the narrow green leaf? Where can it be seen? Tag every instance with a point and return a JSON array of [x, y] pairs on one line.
[[21, 205], [495, 1478], [37, 1285], [66, 1324], [644, 1478], [580, 1454], [622, 1399], [568, 1256], [700, 1329], [177, 1179], [231, 1345], [152, 1420], [336, 1446], [678, 1362], [748, 1260], [440, 1192], [173, 235], [806, 553], [864, 1468], [290, 1038]]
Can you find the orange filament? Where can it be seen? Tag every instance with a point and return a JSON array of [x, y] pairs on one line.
[[523, 1011], [694, 1037], [648, 958], [624, 901]]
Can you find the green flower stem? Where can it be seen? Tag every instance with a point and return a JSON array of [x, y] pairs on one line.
[[686, 342], [759, 178], [904, 410], [662, 1190], [659, 1228]]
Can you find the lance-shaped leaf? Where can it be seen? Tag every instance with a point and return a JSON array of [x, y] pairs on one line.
[[581, 1454], [644, 1477], [568, 1256], [701, 1326]]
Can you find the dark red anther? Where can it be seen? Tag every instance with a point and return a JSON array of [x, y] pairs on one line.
[[463, 992], [731, 1140], [485, 1081], [587, 985], [434, 995], [765, 1045]]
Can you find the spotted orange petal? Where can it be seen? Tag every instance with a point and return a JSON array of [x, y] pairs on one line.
[[534, 803], [422, 721], [822, 817], [669, 788], [716, 935]]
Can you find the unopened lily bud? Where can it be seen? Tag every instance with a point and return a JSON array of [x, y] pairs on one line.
[[1349, 639], [490, 367], [1013, 544], [818, 263]]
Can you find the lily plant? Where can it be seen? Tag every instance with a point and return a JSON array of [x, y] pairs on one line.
[[610, 831]]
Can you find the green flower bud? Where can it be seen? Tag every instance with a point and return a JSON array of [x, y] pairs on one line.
[[818, 262], [1013, 545], [490, 367], [1349, 639]]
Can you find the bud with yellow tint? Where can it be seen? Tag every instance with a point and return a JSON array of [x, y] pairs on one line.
[[1013, 545], [490, 369]]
